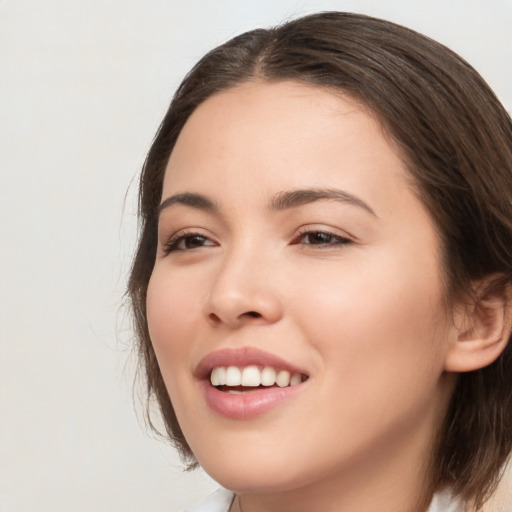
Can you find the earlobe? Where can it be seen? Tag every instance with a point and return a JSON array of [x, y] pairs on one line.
[[483, 329]]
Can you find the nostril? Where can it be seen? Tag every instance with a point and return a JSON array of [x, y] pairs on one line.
[[214, 318]]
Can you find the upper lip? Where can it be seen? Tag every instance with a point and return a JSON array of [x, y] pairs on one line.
[[241, 357]]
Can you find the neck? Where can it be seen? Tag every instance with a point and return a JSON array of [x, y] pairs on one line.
[[349, 502]]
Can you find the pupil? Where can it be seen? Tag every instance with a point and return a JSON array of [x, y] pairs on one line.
[[320, 238], [194, 241]]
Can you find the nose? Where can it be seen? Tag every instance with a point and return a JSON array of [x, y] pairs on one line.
[[243, 291]]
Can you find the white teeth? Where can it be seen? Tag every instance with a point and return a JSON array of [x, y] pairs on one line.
[[253, 376], [283, 379], [268, 376], [218, 376], [295, 379], [233, 376]]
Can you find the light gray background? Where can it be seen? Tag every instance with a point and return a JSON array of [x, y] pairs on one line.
[[83, 86]]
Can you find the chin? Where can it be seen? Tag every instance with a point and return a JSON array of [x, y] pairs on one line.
[[244, 477]]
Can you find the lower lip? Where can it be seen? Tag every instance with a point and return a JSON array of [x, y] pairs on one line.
[[250, 404]]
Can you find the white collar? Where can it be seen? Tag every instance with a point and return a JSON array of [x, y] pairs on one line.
[[445, 502], [221, 500]]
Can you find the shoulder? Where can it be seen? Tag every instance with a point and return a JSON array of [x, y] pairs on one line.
[[219, 501]]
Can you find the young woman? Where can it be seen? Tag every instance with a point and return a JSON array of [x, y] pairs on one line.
[[322, 288]]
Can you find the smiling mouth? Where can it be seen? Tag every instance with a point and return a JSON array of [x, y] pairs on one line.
[[236, 380]]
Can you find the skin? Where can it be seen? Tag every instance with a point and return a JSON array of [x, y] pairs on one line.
[[362, 315]]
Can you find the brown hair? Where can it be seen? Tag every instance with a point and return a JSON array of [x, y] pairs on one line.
[[456, 140]]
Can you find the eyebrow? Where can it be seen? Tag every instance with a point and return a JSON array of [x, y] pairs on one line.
[[197, 201], [294, 198], [282, 201]]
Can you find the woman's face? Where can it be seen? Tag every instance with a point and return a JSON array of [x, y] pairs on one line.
[[290, 239]]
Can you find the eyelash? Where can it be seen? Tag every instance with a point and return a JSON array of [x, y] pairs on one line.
[[335, 240], [173, 245]]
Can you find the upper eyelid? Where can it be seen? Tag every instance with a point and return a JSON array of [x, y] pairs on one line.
[[323, 232], [167, 242], [186, 234], [337, 239], [328, 230], [166, 234]]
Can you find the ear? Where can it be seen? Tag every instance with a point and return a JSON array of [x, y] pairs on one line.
[[482, 328]]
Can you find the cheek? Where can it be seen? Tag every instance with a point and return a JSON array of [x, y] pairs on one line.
[[171, 308], [171, 311], [381, 355], [377, 321]]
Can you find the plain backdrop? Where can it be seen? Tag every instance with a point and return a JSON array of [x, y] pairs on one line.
[[83, 86]]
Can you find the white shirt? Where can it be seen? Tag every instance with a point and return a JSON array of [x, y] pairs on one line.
[[221, 500]]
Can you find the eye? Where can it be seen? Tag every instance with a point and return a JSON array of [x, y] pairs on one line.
[[321, 238], [187, 241]]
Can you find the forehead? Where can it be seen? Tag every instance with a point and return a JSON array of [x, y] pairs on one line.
[[266, 112], [274, 135]]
